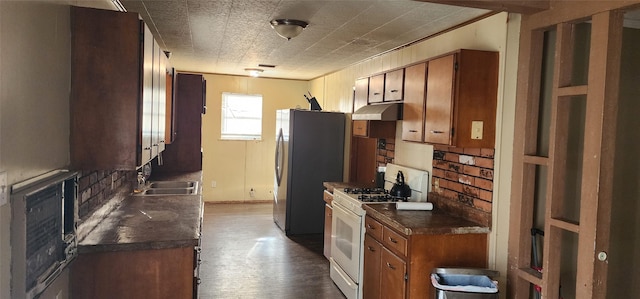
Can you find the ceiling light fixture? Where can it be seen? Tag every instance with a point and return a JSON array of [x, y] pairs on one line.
[[254, 72], [288, 28]]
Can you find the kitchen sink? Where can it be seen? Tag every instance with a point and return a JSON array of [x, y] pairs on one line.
[[170, 188], [172, 184], [169, 191]]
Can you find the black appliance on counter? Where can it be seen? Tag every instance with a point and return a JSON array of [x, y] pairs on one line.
[[309, 151]]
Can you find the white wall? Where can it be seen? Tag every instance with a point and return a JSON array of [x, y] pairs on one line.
[[497, 33], [35, 74]]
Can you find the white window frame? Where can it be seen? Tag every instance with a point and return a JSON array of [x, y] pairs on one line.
[[239, 122]]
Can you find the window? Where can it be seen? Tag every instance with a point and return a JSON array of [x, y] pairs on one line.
[[241, 116]]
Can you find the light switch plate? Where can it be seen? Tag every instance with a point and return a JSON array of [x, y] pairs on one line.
[[4, 188], [476, 129]]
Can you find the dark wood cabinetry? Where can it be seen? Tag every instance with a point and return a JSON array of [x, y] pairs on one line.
[[158, 273], [414, 102], [393, 276], [397, 265], [363, 163], [117, 96], [461, 99], [185, 153], [371, 270]]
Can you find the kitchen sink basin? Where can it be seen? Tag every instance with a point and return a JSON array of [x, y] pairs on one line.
[[169, 191], [170, 188], [172, 184]]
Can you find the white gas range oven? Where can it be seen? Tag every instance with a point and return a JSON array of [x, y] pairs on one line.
[[347, 227]]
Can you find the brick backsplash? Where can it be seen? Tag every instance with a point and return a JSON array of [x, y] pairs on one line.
[[463, 177], [387, 154], [97, 187]]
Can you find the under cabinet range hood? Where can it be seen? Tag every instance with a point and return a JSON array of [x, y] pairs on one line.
[[387, 111]]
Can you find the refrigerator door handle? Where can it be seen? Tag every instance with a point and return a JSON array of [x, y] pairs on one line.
[[279, 157]]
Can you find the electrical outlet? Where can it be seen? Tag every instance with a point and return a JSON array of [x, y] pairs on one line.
[[476, 129], [4, 188], [214, 184], [252, 193]]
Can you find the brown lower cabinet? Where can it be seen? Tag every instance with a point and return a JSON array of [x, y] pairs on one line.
[[154, 273], [328, 214], [397, 265]]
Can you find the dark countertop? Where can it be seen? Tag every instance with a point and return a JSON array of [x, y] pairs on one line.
[[147, 222], [422, 222]]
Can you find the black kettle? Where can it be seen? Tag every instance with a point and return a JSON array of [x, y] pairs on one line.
[[400, 189]]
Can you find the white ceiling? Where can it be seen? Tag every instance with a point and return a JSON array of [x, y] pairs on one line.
[[227, 36]]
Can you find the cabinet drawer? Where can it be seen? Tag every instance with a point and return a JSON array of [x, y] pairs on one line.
[[373, 227], [360, 128], [394, 241]]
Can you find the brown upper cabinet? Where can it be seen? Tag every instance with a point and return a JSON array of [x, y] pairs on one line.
[[461, 99], [414, 101], [376, 89], [393, 85], [361, 93], [118, 91]]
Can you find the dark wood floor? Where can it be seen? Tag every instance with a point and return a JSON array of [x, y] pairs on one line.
[[245, 255]]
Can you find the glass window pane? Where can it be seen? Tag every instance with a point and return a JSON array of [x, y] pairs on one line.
[[241, 117]]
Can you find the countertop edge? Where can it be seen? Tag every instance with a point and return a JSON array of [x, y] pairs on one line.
[[467, 228]]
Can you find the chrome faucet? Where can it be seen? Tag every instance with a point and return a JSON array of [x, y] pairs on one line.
[[141, 182]]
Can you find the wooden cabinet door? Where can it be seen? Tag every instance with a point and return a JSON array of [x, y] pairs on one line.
[[392, 276], [393, 86], [439, 105], [106, 89], [361, 95], [363, 160], [376, 89], [372, 256], [413, 102], [170, 123], [360, 128], [328, 214]]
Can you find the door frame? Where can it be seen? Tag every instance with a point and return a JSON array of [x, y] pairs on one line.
[[599, 147]]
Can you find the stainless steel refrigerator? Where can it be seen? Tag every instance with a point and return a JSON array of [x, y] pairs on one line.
[[309, 151]]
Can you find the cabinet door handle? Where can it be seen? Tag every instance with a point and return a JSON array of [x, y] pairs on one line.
[[436, 132], [370, 227], [390, 266], [394, 90], [376, 93], [413, 131], [147, 148], [393, 240], [371, 248]]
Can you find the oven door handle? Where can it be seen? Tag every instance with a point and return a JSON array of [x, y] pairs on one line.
[[352, 217]]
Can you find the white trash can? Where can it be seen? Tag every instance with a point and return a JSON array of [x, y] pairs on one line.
[[464, 283]]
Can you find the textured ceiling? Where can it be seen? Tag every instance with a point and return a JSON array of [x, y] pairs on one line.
[[227, 36]]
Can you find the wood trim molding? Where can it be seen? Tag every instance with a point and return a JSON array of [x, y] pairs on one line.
[[515, 6]]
